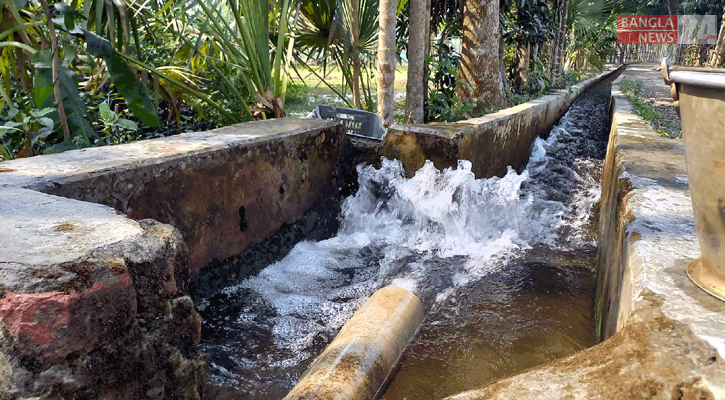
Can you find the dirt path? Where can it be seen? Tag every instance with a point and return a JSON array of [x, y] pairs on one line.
[[655, 93]]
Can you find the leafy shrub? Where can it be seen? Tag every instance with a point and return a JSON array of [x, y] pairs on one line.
[[443, 105], [572, 77], [539, 84], [23, 133]]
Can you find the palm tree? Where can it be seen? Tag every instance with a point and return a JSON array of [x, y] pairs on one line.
[[591, 32], [417, 79], [480, 78], [341, 33], [386, 60]]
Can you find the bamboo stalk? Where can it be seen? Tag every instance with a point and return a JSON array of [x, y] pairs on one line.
[[21, 72], [55, 68], [355, 15], [19, 21]]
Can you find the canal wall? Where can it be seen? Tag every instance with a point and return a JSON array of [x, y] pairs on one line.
[[100, 245], [662, 337], [492, 142], [224, 189]]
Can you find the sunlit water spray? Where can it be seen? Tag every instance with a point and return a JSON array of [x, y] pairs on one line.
[[432, 234]]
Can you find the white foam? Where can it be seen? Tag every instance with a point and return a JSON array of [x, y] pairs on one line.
[[393, 226]]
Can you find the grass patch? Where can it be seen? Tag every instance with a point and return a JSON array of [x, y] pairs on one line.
[[309, 91], [664, 128], [333, 76]]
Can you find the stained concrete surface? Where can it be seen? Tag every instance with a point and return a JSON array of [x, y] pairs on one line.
[[655, 213], [49, 230], [225, 189], [49, 170], [90, 300]]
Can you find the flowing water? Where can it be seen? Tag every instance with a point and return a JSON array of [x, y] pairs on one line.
[[503, 265]]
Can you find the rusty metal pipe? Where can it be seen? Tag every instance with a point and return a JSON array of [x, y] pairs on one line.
[[357, 363]]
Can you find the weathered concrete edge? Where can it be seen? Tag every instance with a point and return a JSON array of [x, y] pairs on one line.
[[92, 304], [53, 270], [653, 357], [491, 142], [654, 345], [224, 189], [647, 233], [73, 165]]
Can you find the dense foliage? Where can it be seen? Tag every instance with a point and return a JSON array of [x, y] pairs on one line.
[[97, 72]]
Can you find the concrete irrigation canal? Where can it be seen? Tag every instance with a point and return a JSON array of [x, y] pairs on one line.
[[538, 252]]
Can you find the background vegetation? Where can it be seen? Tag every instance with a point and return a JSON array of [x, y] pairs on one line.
[[99, 72]]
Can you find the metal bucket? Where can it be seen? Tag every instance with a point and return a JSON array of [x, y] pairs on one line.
[[699, 94]]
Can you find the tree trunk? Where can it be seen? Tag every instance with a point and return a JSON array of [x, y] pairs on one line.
[[521, 64], [480, 56], [502, 68], [417, 47], [356, 53], [554, 46], [558, 66], [545, 51], [671, 7], [428, 51], [718, 57], [22, 71], [386, 60]]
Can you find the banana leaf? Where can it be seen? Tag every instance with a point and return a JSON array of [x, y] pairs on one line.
[[75, 107], [125, 81]]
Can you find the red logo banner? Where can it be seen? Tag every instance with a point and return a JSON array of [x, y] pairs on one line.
[[647, 29]]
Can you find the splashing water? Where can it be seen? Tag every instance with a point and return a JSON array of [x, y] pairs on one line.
[[432, 233]]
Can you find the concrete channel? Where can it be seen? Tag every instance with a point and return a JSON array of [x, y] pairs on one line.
[[101, 245]]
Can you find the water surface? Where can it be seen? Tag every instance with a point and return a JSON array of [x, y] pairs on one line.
[[503, 265]]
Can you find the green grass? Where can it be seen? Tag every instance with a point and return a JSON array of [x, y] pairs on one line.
[[333, 76], [306, 93], [664, 128]]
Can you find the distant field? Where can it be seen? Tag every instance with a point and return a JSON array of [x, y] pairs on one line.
[[306, 93], [334, 77]]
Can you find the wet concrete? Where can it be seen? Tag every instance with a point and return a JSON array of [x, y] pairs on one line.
[[357, 363]]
